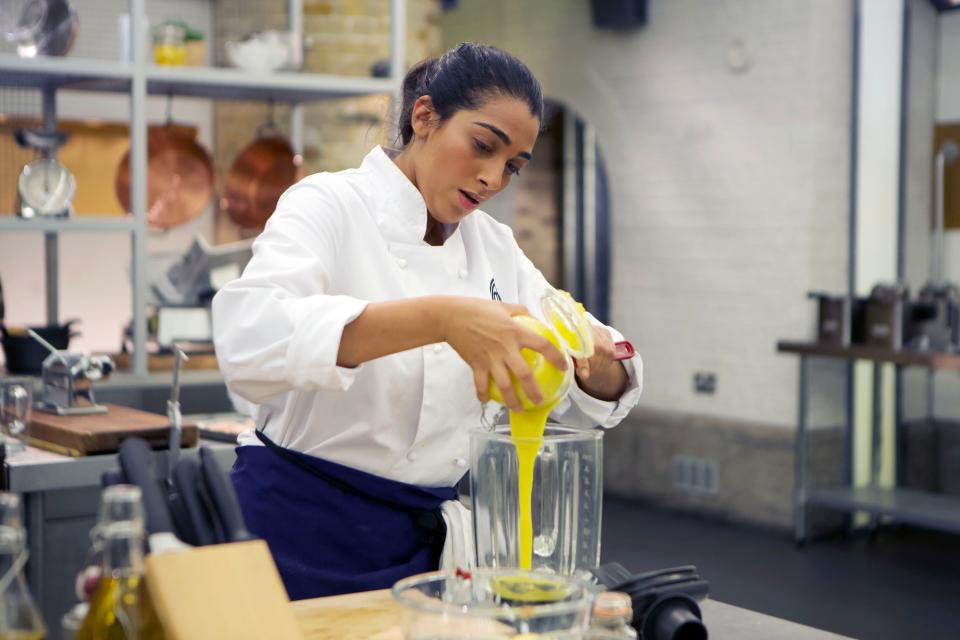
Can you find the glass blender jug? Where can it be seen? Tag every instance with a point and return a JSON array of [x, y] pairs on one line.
[[566, 499]]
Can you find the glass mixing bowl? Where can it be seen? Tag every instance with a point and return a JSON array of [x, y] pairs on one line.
[[490, 604]]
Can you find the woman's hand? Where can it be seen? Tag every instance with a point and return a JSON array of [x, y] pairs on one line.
[[486, 337], [601, 375]]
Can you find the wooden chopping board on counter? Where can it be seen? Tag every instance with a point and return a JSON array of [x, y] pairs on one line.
[[103, 432], [375, 615], [372, 615]]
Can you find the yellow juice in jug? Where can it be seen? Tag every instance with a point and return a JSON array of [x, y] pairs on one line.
[[527, 426]]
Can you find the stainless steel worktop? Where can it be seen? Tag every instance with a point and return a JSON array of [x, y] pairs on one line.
[[728, 622]]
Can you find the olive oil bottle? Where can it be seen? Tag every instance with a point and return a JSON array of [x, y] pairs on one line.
[[120, 606]]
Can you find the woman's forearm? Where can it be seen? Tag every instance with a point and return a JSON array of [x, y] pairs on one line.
[[390, 327]]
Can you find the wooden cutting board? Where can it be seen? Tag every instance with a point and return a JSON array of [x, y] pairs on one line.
[[372, 615], [375, 615], [103, 433], [165, 362]]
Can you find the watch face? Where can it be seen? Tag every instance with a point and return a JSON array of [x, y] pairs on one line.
[[47, 187]]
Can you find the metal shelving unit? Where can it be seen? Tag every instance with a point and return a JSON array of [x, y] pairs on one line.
[[65, 73], [235, 84], [140, 79], [921, 508], [57, 225]]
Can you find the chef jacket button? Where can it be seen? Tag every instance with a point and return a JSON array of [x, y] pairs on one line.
[[402, 263], [437, 348], [412, 456], [460, 462], [463, 273]]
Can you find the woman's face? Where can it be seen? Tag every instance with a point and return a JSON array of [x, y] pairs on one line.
[[473, 156]]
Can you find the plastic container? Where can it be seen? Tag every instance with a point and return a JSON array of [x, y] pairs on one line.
[[170, 44], [612, 615], [566, 499], [24, 355], [481, 605]]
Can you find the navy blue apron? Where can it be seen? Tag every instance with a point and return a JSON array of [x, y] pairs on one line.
[[333, 529]]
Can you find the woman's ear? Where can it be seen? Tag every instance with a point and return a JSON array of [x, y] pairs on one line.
[[423, 118]]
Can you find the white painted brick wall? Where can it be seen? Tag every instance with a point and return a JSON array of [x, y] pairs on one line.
[[729, 192]]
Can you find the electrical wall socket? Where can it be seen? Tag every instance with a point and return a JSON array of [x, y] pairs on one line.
[[696, 475], [705, 382]]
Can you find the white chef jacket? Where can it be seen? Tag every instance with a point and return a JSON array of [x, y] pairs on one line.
[[337, 242]]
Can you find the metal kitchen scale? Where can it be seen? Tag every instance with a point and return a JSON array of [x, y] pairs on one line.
[[68, 381], [45, 187]]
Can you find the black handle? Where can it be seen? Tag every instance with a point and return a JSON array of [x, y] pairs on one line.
[[197, 528], [675, 617], [138, 466], [224, 498]]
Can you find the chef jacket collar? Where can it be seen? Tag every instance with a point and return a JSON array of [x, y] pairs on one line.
[[405, 214]]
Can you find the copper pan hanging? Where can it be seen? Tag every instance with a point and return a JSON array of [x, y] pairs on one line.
[[179, 176], [259, 175]]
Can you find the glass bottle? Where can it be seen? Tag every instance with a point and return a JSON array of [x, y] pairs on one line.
[[612, 614], [16, 401], [19, 617], [120, 607], [169, 44]]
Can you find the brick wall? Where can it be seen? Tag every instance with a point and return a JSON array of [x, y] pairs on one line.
[[346, 37]]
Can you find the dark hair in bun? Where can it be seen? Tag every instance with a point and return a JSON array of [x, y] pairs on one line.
[[464, 78]]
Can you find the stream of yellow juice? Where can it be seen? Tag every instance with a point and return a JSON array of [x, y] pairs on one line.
[[527, 426]]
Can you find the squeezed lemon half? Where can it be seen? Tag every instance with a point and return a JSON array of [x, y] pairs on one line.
[[529, 590]]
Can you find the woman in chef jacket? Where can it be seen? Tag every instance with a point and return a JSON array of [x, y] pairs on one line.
[[365, 329]]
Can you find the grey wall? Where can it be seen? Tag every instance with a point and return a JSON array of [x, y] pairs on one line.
[[918, 203], [729, 189], [948, 71], [948, 110]]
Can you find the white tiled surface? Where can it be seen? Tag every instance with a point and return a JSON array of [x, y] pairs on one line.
[[729, 191]]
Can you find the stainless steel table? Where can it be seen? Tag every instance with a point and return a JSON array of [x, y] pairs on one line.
[[61, 496], [919, 508], [727, 622]]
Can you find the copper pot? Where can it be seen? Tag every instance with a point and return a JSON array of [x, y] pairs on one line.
[[179, 176], [259, 175]]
